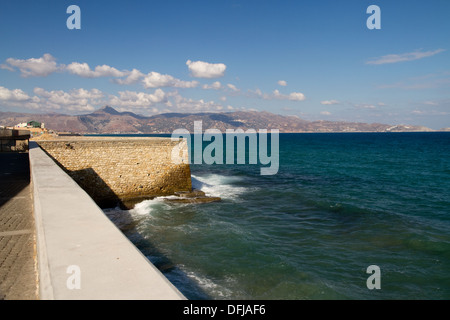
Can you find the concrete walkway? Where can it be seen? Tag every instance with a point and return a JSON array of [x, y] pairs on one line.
[[57, 244], [18, 275], [81, 253]]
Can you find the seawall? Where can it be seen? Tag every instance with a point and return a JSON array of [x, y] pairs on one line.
[[81, 254], [13, 140], [122, 170]]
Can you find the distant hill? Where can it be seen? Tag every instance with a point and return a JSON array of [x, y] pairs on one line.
[[108, 120]]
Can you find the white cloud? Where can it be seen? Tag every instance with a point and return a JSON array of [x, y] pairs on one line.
[[216, 86], [276, 95], [232, 87], [17, 98], [282, 83], [157, 80], [132, 77], [410, 56], [329, 102], [83, 70], [201, 69], [34, 67], [134, 99], [74, 100], [83, 100], [41, 67], [93, 94], [325, 113], [6, 67], [13, 95], [295, 96], [182, 104]]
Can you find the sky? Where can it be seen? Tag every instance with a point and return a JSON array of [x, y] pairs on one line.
[[316, 60]]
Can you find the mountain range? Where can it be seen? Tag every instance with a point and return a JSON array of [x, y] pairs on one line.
[[107, 120]]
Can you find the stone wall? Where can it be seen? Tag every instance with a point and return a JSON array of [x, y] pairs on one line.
[[122, 171], [12, 140]]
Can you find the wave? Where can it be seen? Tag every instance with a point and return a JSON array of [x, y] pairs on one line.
[[217, 185], [214, 185], [210, 287], [149, 207]]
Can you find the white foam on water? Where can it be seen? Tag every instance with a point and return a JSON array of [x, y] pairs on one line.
[[147, 206], [209, 286], [217, 185]]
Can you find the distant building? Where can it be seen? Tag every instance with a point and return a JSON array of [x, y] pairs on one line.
[[33, 124], [30, 124]]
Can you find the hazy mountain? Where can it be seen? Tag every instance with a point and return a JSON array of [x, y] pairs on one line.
[[109, 120]]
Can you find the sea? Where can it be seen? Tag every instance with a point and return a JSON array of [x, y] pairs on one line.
[[347, 216]]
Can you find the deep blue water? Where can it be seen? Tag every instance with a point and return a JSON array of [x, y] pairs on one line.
[[338, 204]]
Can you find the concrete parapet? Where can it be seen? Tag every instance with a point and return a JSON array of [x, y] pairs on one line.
[[81, 253]]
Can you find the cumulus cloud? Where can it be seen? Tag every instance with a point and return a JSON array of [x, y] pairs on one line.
[[201, 69], [33, 67], [83, 70], [135, 99], [157, 80], [133, 77], [13, 95], [282, 83], [74, 100], [293, 96], [18, 98], [216, 86], [45, 65], [410, 56], [183, 104], [325, 113]]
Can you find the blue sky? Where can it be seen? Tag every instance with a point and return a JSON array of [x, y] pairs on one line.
[[313, 59]]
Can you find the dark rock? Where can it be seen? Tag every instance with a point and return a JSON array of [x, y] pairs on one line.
[[194, 196], [205, 199], [190, 194]]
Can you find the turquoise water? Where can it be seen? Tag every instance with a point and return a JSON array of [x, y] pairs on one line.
[[338, 204]]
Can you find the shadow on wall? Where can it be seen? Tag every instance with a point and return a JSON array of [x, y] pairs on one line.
[[93, 184], [97, 188]]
